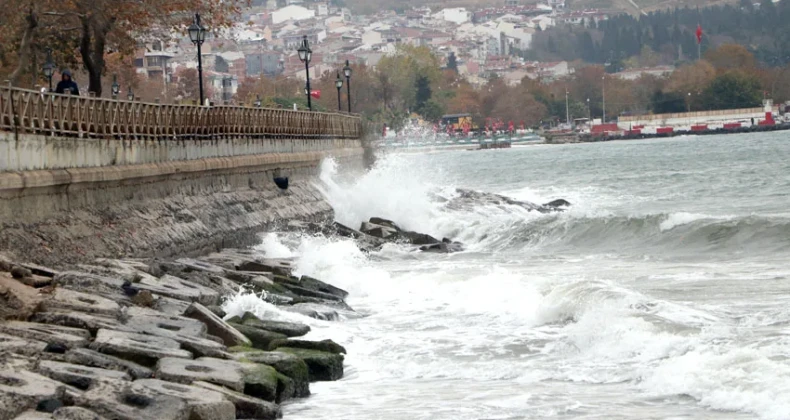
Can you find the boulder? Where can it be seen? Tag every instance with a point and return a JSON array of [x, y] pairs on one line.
[[216, 326], [246, 407], [322, 366], [328, 346], [345, 231], [87, 357], [139, 348], [53, 335], [117, 400], [202, 403], [22, 390], [378, 231], [557, 204], [443, 248], [289, 329], [384, 222], [80, 377], [416, 238], [260, 338], [17, 301], [19, 273], [285, 363]]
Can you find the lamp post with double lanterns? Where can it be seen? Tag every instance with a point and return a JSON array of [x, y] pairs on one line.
[[197, 34], [305, 55], [338, 85], [49, 68], [130, 94], [116, 88], [347, 73]]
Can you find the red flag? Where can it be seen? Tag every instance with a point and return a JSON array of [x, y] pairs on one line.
[[315, 94], [699, 34]]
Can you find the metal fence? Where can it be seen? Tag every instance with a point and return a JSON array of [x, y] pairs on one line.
[[33, 112]]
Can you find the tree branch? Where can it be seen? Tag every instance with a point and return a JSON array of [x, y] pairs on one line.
[[24, 47]]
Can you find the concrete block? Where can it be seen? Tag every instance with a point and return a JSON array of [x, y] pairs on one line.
[[64, 299], [282, 267], [54, 335], [13, 344], [246, 407], [80, 377], [171, 306], [76, 413], [322, 366], [289, 329], [117, 400], [34, 415], [222, 372], [138, 348], [78, 320], [203, 404], [171, 327], [197, 265], [92, 358], [93, 284], [146, 319], [176, 288], [24, 390], [314, 310], [260, 338], [216, 326], [287, 364]]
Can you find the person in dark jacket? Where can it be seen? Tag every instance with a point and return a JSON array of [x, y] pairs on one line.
[[66, 85]]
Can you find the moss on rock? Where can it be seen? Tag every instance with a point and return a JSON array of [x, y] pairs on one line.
[[321, 365]]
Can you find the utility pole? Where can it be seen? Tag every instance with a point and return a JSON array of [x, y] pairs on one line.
[[603, 91], [567, 109]]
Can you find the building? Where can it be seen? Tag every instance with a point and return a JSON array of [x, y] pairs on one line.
[[633, 74], [152, 61], [291, 13], [457, 15]]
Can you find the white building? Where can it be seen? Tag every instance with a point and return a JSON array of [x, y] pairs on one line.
[[457, 15], [292, 13]]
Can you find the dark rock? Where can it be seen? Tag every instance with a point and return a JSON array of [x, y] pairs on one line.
[[416, 238], [145, 299], [22, 390], [378, 231], [384, 222], [314, 310], [276, 266], [443, 248], [49, 406], [289, 329], [557, 203], [18, 272], [322, 366], [323, 345], [217, 310], [260, 338], [345, 231], [128, 289], [468, 199], [39, 270]]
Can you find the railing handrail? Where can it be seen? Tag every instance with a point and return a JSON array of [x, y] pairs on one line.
[[31, 111]]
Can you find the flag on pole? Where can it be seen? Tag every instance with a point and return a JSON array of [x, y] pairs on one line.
[[699, 34]]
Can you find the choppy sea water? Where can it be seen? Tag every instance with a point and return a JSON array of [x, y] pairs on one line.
[[663, 293]]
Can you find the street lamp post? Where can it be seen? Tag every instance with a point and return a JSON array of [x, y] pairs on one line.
[[567, 109], [603, 92], [49, 68], [688, 103], [130, 94], [197, 34], [338, 85], [347, 73], [257, 101], [116, 88], [589, 110], [305, 55]]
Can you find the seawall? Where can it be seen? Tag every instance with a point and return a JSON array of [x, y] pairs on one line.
[[158, 190]]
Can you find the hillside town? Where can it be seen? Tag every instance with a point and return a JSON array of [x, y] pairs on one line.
[[482, 43]]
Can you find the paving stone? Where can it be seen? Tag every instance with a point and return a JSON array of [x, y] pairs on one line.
[[80, 377], [56, 335], [247, 407], [222, 372], [176, 288], [23, 390], [13, 344], [92, 358], [71, 300], [79, 320], [216, 326], [203, 404], [17, 301], [117, 400], [139, 348]]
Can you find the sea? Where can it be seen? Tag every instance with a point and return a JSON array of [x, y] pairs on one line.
[[663, 292]]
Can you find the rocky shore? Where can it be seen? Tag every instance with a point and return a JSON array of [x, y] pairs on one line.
[[148, 340]]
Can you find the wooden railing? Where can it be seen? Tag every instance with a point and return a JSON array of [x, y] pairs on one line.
[[32, 112]]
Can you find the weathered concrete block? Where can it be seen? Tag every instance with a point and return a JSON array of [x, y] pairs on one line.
[[23, 390], [222, 372], [289, 329], [138, 348], [76, 413], [216, 326], [323, 345], [322, 366], [203, 404], [64, 300], [314, 310], [288, 364], [93, 284], [88, 357], [117, 400], [56, 335], [78, 320], [17, 301], [198, 265], [176, 288], [246, 407], [13, 344], [260, 338], [34, 415], [145, 319], [281, 267], [80, 377], [171, 306]]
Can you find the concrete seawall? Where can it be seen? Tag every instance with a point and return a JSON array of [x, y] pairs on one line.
[[73, 199]]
